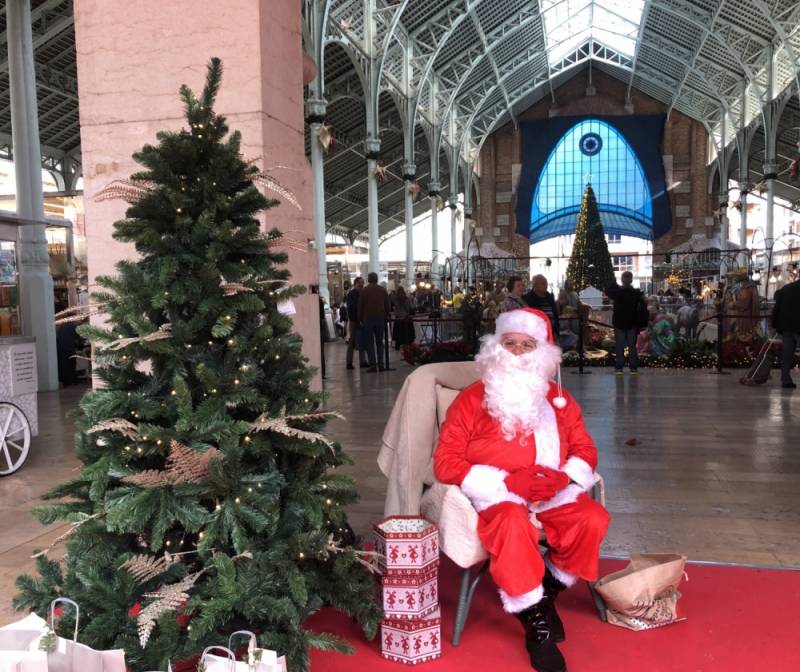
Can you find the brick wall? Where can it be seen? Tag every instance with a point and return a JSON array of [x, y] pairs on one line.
[[685, 153]]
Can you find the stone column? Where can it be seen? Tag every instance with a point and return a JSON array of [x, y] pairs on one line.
[[128, 93], [35, 282], [316, 116], [409, 175]]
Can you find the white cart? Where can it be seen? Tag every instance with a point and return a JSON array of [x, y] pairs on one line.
[[19, 412]]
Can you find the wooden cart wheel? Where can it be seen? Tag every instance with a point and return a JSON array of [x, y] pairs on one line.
[[15, 438]]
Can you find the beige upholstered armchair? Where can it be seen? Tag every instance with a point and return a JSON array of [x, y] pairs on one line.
[[406, 459]]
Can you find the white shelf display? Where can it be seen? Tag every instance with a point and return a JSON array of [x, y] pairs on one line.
[[19, 414]]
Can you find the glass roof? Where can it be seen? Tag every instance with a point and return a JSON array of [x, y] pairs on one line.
[[571, 23]]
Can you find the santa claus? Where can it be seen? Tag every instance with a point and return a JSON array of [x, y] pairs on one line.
[[516, 445]]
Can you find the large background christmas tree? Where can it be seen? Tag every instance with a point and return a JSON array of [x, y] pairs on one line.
[[590, 264], [205, 503]]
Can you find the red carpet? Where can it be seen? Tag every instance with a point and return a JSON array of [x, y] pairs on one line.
[[738, 619]]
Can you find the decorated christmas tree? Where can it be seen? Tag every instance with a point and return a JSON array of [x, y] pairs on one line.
[[207, 501], [590, 264]]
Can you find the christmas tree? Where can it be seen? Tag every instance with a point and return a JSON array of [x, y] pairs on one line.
[[206, 502], [590, 264]]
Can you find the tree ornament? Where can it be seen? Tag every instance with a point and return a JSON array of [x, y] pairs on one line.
[[325, 137], [380, 171]]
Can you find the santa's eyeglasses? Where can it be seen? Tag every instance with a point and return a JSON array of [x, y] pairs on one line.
[[511, 343]]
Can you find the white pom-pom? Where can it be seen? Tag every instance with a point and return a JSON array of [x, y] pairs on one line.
[[559, 402]]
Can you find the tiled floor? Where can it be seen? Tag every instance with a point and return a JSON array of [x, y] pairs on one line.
[[714, 472]]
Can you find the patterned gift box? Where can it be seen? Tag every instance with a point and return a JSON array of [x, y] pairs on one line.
[[412, 641], [410, 595], [407, 545]]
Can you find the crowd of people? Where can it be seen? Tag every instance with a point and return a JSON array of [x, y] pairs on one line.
[[640, 323]]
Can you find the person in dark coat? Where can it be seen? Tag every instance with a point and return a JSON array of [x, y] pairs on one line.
[[626, 321], [373, 312], [540, 299], [353, 326], [786, 321]]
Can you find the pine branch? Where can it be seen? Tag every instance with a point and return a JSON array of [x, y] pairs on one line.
[[68, 533], [184, 466], [146, 567], [368, 559], [121, 425], [125, 190], [166, 599], [271, 184], [162, 333], [281, 425]]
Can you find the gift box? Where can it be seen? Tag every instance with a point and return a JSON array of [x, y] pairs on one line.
[[410, 595], [407, 545], [412, 641]]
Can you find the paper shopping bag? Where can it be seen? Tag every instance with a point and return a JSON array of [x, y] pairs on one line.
[[68, 655], [645, 594], [18, 650], [21, 634], [257, 660], [23, 661]]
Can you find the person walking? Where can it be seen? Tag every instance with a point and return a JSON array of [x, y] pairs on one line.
[[353, 327], [514, 300], [540, 299], [373, 311], [403, 330], [628, 303], [786, 321]]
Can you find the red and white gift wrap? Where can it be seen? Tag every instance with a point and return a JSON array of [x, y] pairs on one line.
[[410, 595], [407, 545], [412, 641]]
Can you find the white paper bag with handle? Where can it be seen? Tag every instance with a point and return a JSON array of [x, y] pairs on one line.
[[16, 643], [258, 660], [23, 661], [19, 636], [68, 655]]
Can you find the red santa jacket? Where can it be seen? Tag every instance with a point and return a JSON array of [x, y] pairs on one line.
[[473, 453]]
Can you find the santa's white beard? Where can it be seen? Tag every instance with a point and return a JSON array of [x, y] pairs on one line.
[[516, 386]]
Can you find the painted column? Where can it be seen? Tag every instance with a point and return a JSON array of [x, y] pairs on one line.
[[316, 116], [433, 193], [723, 233], [409, 176], [35, 282], [770, 174], [261, 96], [743, 191], [373, 149], [453, 241]]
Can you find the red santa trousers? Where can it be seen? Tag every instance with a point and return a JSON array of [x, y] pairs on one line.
[[574, 532]]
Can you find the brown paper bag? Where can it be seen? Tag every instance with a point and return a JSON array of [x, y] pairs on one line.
[[645, 594]]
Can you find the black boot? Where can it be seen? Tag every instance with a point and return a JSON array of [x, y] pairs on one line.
[[552, 587], [545, 656]]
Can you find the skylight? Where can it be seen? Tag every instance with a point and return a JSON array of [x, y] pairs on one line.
[[571, 23]]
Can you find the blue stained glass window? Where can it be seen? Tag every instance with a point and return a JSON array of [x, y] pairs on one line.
[[592, 152]]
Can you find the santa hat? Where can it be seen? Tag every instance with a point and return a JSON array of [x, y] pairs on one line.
[[533, 323]]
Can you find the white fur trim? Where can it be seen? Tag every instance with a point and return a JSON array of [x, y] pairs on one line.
[[580, 472], [484, 486], [521, 322], [515, 604], [565, 577], [559, 402], [566, 496], [548, 445]]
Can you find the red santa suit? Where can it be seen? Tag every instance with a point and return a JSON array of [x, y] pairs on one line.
[[474, 453]]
